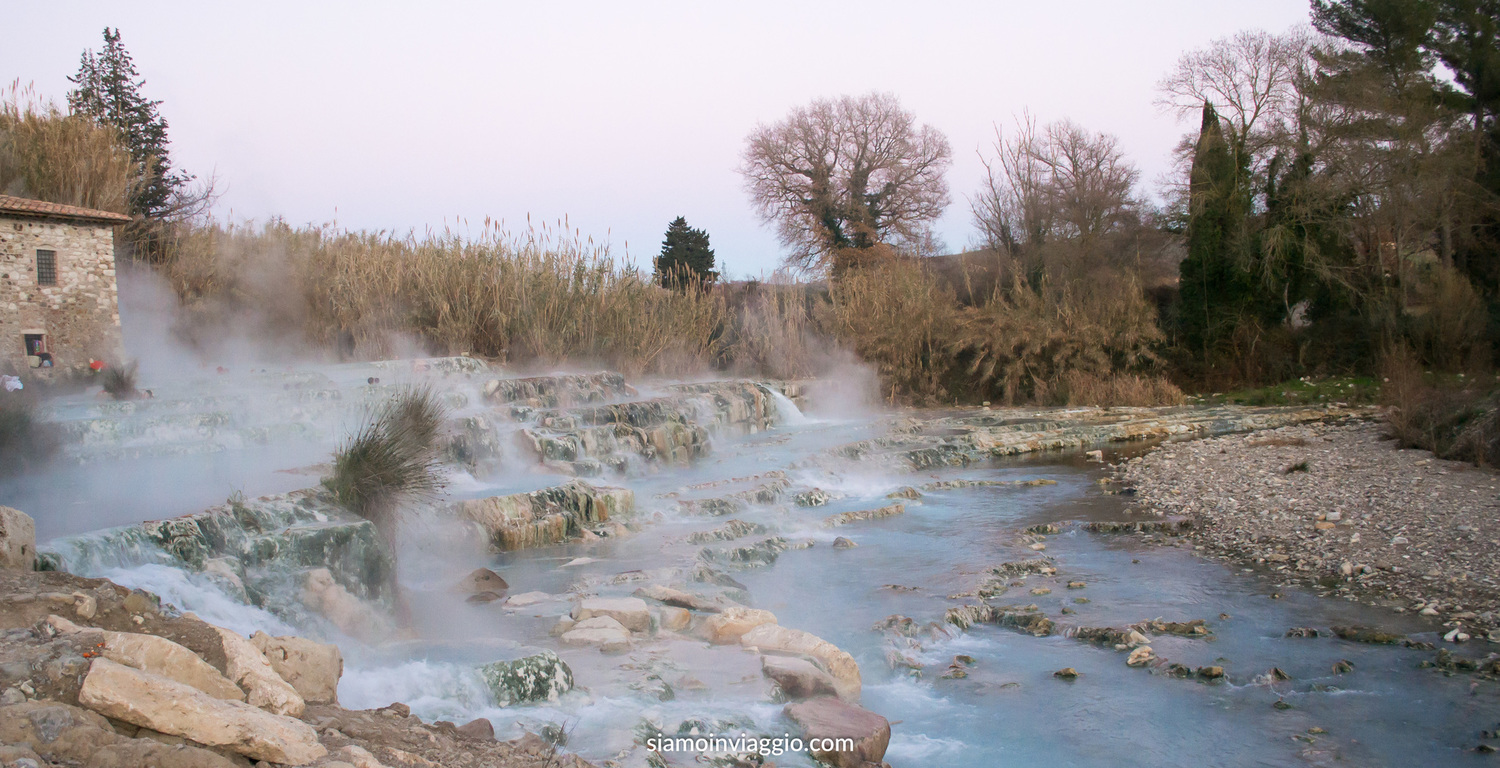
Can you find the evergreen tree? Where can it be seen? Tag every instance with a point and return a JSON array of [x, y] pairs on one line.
[[109, 90], [1216, 290], [685, 256]]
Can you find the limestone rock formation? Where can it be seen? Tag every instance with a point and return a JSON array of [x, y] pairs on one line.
[[155, 702], [313, 669]]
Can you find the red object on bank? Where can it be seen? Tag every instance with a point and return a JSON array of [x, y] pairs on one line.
[[96, 365]]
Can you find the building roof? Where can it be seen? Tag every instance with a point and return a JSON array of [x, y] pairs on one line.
[[23, 206]]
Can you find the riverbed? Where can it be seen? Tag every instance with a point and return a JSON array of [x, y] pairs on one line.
[[1379, 707]]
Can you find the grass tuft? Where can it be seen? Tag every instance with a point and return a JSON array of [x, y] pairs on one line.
[[392, 460], [119, 381]]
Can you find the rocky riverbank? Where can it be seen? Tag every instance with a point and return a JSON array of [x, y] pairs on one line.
[[1343, 509], [95, 674]]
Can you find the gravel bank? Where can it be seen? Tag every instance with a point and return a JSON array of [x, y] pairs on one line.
[[1340, 507]]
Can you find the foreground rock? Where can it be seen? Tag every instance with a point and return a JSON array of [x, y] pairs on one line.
[[50, 667], [542, 677], [730, 625], [798, 678], [773, 638], [830, 718], [68, 735], [632, 612], [249, 668], [312, 669], [153, 654], [165, 705], [604, 631], [17, 539], [1365, 518]]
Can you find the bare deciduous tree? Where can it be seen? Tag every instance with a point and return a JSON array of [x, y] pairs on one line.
[[1251, 79], [1063, 182], [847, 174]]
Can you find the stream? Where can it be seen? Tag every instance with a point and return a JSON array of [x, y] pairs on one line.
[[1007, 709]]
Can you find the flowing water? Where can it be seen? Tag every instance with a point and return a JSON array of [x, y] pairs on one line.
[[1008, 710]]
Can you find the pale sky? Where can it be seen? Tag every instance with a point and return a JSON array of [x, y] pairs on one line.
[[620, 116]]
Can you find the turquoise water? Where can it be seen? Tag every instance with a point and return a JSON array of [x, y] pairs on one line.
[[1009, 710]]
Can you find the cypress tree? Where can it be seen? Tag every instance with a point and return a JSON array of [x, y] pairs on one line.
[[109, 90], [1216, 290], [685, 256]]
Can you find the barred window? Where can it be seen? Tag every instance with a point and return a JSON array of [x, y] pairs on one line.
[[46, 267]]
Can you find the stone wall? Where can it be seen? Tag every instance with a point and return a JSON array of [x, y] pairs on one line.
[[80, 314]]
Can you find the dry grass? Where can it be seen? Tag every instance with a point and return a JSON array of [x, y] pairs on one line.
[[537, 298], [1025, 342], [775, 330], [1118, 389], [50, 155], [1456, 419]]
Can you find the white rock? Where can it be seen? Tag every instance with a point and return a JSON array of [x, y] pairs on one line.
[[729, 625], [161, 704], [603, 631], [310, 667], [1140, 656], [248, 667], [526, 599], [17, 540], [837, 662], [632, 612], [1456, 635], [674, 619]]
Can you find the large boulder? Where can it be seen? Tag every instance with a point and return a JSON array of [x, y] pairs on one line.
[[482, 580], [310, 667], [67, 735], [729, 625], [155, 702], [603, 631], [17, 540], [248, 667], [838, 663], [798, 678], [157, 655], [542, 677], [631, 612], [830, 718]]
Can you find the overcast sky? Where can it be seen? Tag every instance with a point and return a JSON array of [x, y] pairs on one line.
[[619, 115]]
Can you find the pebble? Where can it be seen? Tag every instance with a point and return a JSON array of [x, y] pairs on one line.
[[1434, 525]]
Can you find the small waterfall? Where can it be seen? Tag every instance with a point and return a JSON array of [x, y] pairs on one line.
[[790, 414], [202, 595]]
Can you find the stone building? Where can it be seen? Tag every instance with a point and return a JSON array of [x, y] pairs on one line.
[[59, 305]]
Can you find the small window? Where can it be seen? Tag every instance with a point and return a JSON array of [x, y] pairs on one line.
[[46, 267], [36, 343]]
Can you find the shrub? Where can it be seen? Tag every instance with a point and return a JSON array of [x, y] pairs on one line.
[[1455, 419], [896, 317], [391, 460], [119, 381], [1025, 342]]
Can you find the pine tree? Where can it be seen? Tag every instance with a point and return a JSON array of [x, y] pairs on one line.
[[109, 90], [685, 256]]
